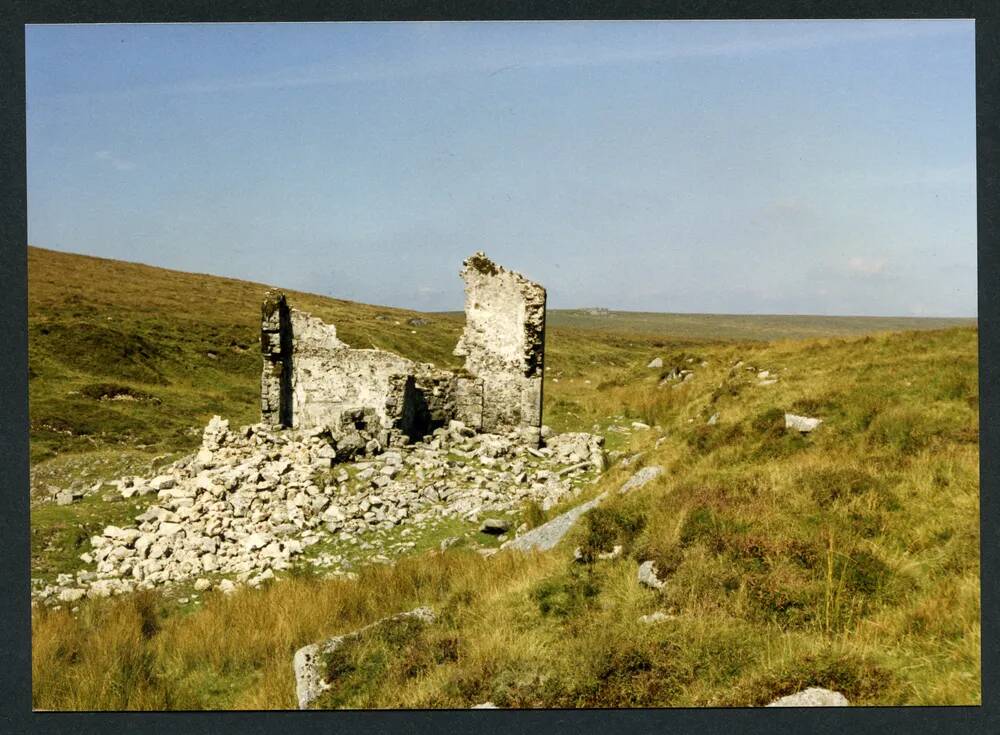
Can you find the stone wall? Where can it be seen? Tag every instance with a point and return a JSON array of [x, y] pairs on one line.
[[310, 378], [276, 348], [504, 347], [329, 377]]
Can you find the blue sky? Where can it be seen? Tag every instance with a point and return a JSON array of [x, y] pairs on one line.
[[820, 167]]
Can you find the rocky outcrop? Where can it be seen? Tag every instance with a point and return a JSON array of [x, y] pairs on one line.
[[309, 664], [641, 478], [549, 534]]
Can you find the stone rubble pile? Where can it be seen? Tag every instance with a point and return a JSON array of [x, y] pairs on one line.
[[250, 501]]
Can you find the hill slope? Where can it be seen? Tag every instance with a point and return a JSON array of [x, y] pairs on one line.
[[125, 355], [743, 326], [845, 558]]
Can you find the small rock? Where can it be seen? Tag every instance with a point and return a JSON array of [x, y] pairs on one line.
[[226, 587], [656, 617], [255, 541], [615, 552], [495, 526], [803, 424], [170, 529], [656, 362], [162, 482], [647, 576], [812, 697], [72, 594]]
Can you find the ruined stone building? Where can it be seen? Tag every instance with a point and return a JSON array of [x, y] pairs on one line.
[[310, 378]]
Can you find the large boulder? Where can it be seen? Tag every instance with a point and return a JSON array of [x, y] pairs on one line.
[[308, 662], [549, 534]]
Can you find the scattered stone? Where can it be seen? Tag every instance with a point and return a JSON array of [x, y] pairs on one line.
[[162, 482], [256, 541], [656, 362], [639, 426], [616, 551], [713, 419], [656, 617], [484, 705], [632, 459], [247, 503], [495, 526], [72, 594], [647, 576], [803, 424], [812, 697], [226, 586]]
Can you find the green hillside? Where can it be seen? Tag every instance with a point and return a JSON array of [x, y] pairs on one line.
[[846, 558], [744, 326], [128, 356]]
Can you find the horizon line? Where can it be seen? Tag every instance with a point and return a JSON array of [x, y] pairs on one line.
[[459, 311]]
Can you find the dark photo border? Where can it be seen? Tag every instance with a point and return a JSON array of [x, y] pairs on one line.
[[16, 715]]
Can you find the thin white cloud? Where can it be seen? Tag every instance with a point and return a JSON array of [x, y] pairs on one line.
[[866, 266], [119, 164], [961, 175], [494, 61]]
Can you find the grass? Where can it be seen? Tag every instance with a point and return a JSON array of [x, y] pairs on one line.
[[846, 558], [60, 533], [738, 327]]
